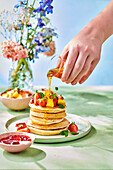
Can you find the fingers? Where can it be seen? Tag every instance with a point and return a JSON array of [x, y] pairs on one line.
[[62, 58], [84, 70], [71, 59], [92, 66], [78, 67]]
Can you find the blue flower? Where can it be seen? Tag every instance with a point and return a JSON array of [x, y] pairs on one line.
[[46, 2], [17, 6], [40, 23], [40, 10], [36, 54], [29, 25], [49, 9], [38, 42], [21, 3]]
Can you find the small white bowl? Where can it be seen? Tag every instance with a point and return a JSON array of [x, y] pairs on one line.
[[16, 104], [19, 147]]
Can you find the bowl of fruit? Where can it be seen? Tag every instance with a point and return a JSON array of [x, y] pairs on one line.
[[15, 142], [16, 99]]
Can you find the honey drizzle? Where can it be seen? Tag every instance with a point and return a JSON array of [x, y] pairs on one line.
[[49, 80]]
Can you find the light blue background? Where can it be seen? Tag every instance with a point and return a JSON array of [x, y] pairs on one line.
[[70, 16]]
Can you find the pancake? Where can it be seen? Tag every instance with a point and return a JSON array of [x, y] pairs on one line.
[[47, 115], [46, 109], [54, 126], [42, 121], [46, 132]]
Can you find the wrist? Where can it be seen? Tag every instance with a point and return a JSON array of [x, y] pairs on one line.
[[94, 31]]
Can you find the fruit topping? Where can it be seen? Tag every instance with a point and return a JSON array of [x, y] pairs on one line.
[[46, 98], [16, 93]]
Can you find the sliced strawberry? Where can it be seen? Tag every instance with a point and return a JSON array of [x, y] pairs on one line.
[[60, 97], [45, 90], [42, 103], [55, 101], [21, 126], [32, 100], [73, 127], [24, 130], [36, 97]]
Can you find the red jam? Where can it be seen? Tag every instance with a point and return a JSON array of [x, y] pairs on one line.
[[14, 139]]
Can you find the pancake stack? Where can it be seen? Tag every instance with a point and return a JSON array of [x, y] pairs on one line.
[[47, 118]]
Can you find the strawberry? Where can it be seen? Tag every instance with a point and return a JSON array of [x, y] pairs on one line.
[[32, 100], [42, 103], [60, 97], [36, 97], [24, 130], [55, 101], [45, 90], [21, 126], [73, 127]]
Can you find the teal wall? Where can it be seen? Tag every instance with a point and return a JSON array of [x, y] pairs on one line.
[[70, 16]]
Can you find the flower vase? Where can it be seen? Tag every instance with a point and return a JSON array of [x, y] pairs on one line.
[[20, 75]]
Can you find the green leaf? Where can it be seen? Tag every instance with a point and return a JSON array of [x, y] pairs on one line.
[[73, 133], [36, 91], [20, 125], [41, 95], [61, 106], [54, 95], [64, 132], [56, 88], [29, 93], [33, 95]]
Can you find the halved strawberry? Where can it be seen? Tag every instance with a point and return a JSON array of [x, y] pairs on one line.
[[60, 97], [55, 101], [42, 102], [21, 126], [24, 130], [45, 90], [32, 100], [36, 97], [73, 127]]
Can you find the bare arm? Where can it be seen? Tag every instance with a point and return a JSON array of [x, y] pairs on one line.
[[84, 50]]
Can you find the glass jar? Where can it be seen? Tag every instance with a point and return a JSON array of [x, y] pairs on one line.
[[20, 75]]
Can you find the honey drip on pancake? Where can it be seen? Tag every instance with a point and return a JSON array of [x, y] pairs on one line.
[[49, 80], [56, 72]]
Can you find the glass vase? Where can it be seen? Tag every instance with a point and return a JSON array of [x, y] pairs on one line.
[[20, 75]]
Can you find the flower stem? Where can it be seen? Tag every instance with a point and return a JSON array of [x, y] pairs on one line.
[[20, 62]]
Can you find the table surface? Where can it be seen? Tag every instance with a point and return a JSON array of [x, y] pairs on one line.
[[94, 151]]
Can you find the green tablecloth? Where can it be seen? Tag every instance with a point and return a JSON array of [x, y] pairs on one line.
[[94, 151]]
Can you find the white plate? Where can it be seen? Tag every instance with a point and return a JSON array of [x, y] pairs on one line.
[[84, 128]]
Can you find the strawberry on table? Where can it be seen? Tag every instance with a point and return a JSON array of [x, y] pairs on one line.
[[73, 127]]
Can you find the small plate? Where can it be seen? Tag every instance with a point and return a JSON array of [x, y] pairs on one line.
[[84, 128]]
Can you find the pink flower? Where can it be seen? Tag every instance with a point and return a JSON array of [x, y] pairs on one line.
[[13, 50], [52, 49]]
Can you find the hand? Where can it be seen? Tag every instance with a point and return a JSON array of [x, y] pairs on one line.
[[82, 54]]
